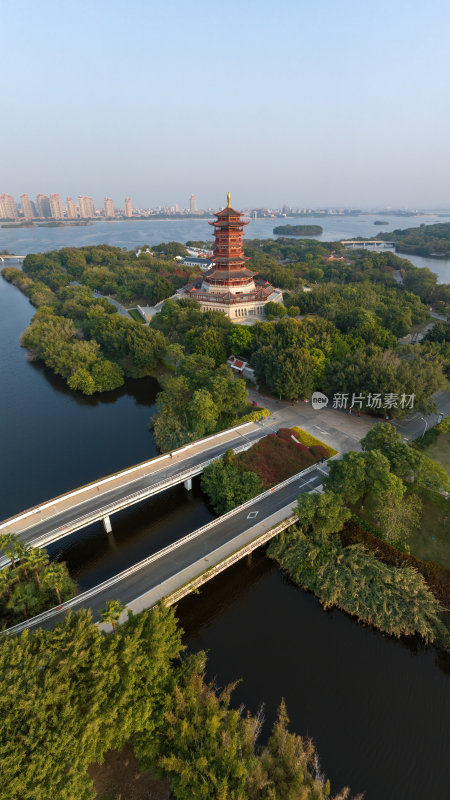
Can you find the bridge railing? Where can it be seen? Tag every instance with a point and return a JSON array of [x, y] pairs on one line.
[[115, 476], [81, 599], [124, 502]]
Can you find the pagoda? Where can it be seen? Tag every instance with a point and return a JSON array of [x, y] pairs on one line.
[[228, 286]]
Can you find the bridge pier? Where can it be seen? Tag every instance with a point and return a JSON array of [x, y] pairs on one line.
[[107, 524], [188, 484]]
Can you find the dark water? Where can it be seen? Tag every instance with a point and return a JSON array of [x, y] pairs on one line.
[[377, 709], [52, 439], [138, 532]]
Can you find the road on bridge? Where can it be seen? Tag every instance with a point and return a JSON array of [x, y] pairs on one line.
[[75, 510], [144, 584]]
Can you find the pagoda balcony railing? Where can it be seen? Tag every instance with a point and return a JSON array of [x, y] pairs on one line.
[[230, 282], [251, 297]]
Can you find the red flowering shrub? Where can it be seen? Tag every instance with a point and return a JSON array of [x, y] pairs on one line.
[[275, 458]]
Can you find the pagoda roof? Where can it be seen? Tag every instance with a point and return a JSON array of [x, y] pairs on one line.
[[229, 212], [229, 273]]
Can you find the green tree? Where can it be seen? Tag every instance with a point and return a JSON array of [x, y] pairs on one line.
[[362, 476], [287, 761], [407, 462], [272, 309], [289, 372], [175, 353], [324, 513], [393, 599], [106, 375], [112, 613], [205, 747], [82, 381], [240, 340], [23, 600], [202, 413], [209, 342], [228, 487], [37, 559], [397, 515], [56, 578], [9, 544]]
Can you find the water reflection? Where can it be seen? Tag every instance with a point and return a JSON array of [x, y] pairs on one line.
[[376, 707]]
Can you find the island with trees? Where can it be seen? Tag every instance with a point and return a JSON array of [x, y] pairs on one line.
[[298, 230], [342, 336]]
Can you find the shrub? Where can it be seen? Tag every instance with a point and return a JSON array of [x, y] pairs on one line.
[[308, 439], [319, 450]]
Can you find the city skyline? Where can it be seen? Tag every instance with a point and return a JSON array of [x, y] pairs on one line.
[[339, 107]]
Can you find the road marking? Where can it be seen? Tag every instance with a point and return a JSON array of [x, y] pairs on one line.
[[325, 433], [252, 514]]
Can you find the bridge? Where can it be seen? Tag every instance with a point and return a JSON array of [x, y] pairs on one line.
[[6, 257], [183, 566], [367, 242], [57, 518]]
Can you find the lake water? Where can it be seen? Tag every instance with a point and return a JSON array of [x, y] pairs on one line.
[[377, 708], [133, 233]]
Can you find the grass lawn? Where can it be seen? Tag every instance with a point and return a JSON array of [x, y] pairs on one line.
[[440, 450], [431, 541], [133, 312]]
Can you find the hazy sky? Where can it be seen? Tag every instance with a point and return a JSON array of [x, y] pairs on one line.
[[304, 102]]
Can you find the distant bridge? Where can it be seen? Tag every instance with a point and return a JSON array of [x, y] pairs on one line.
[[5, 257], [367, 242]]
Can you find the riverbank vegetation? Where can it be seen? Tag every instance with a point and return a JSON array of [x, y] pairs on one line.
[[395, 600], [84, 339], [30, 584], [350, 545], [199, 399], [425, 240], [69, 696], [131, 278]]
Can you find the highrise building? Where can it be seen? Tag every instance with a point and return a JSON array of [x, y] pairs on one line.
[[56, 206], [128, 211], [29, 211], [71, 209], [109, 207], [193, 204], [86, 207], [8, 208], [43, 206], [229, 286]]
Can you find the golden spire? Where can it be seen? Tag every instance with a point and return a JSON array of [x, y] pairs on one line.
[[228, 200]]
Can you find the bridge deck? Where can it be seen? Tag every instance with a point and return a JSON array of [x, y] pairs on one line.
[[165, 572], [70, 512]]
